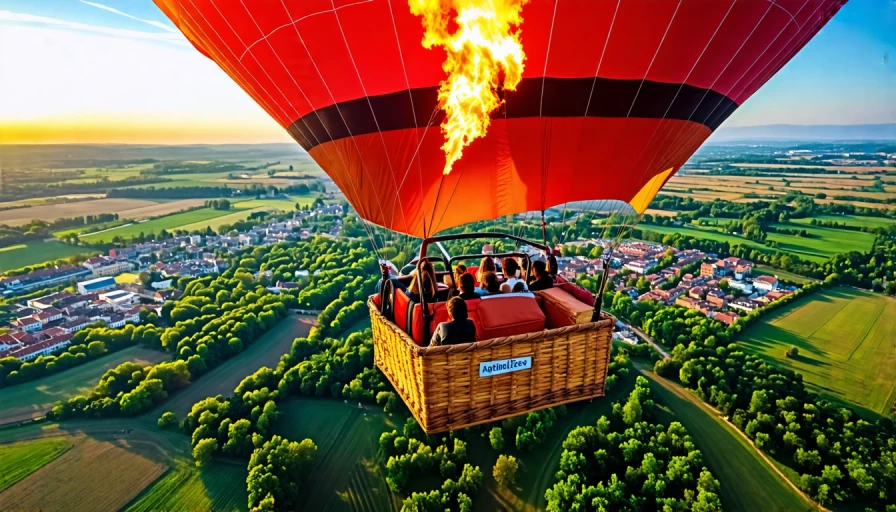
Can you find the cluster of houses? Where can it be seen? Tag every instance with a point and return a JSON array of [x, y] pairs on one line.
[[192, 255], [46, 324], [702, 292]]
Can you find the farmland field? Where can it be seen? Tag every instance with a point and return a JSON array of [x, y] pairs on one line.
[[168, 222], [221, 486], [765, 270], [71, 481], [345, 475], [847, 345], [33, 253], [825, 243], [51, 212], [21, 459], [266, 351], [35, 398], [850, 220]]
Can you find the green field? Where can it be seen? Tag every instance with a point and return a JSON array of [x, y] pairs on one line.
[[346, 473], [32, 399], [21, 459], [266, 351], [850, 220], [846, 340], [220, 486], [826, 242], [747, 482], [33, 253], [167, 222]]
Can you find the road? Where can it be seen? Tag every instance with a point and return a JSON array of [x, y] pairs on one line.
[[643, 335]]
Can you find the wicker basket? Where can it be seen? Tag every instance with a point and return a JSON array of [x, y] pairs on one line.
[[443, 388]]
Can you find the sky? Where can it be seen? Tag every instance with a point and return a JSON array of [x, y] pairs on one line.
[[117, 71]]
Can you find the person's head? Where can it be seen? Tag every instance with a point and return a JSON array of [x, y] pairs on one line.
[[490, 281], [459, 271], [552, 265], [510, 267], [467, 283], [429, 280], [505, 288], [457, 309], [486, 265], [540, 268], [519, 287]]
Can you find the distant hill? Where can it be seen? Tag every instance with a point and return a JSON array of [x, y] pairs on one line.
[[798, 132]]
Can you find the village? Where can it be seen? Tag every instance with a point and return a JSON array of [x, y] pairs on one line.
[[46, 324], [721, 288]]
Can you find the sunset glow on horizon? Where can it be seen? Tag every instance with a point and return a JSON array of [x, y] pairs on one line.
[[120, 72]]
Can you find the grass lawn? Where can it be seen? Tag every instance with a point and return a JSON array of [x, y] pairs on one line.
[[747, 482], [239, 215], [266, 351], [346, 473], [846, 340], [127, 278], [168, 222], [33, 399], [765, 270], [851, 220], [21, 459], [33, 253]]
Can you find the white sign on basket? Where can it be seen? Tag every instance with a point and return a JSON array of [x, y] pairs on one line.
[[492, 368]]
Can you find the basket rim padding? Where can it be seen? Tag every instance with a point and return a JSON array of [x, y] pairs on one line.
[[424, 351]]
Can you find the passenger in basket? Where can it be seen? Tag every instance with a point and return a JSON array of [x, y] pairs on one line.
[[429, 284], [511, 272], [492, 286], [487, 265], [543, 279], [467, 287], [459, 330], [519, 287]]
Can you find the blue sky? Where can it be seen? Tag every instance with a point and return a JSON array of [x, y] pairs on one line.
[[131, 71]]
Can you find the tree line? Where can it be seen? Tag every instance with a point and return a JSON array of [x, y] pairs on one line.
[[630, 461]]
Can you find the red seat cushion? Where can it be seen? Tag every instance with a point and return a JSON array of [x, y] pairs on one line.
[[508, 315]]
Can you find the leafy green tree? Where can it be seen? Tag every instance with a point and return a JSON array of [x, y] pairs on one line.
[[204, 450], [496, 438], [167, 420], [505, 470]]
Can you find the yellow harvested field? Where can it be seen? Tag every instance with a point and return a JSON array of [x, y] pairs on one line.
[[157, 209], [93, 476], [51, 212], [879, 206], [664, 213], [843, 168]]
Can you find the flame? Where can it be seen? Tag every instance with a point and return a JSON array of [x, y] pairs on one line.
[[484, 56]]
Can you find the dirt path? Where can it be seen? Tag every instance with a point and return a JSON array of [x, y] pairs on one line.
[[648, 339]]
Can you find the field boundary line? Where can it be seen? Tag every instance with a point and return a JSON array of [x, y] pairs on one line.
[[868, 331], [712, 410]]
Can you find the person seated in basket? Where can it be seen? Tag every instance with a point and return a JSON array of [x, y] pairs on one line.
[[519, 287], [428, 287], [491, 284], [467, 287], [487, 265], [459, 329], [543, 279], [453, 280], [511, 272]]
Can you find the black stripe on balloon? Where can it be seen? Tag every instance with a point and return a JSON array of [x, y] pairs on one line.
[[563, 97]]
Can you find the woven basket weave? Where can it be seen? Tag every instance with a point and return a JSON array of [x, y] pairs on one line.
[[442, 387]]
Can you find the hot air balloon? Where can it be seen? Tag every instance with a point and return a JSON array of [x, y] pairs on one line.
[[430, 114]]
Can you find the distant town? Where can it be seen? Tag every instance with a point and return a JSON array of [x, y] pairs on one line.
[[46, 324]]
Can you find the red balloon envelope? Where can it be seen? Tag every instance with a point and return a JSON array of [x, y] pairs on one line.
[[616, 95]]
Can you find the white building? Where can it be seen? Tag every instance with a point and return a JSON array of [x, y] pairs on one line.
[[640, 266], [765, 284], [743, 286]]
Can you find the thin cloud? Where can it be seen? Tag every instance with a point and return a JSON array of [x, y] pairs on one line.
[[157, 24], [167, 37]]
